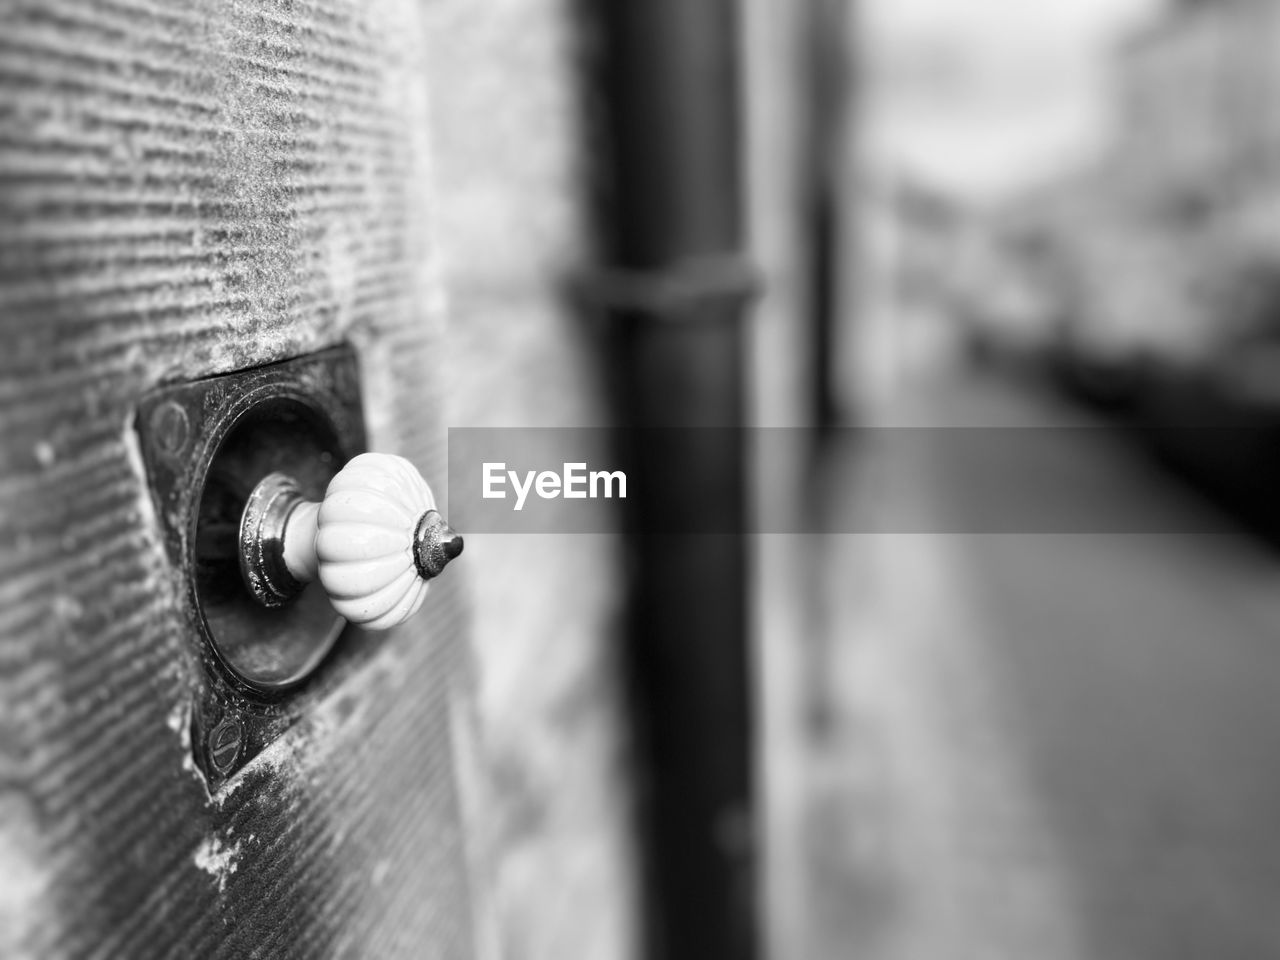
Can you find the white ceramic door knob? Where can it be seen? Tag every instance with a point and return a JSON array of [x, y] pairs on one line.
[[373, 542]]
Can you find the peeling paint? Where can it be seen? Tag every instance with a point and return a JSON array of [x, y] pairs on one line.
[[178, 721], [216, 860], [272, 759], [23, 881]]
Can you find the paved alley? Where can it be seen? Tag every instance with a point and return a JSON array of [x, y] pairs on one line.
[[1036, 745]]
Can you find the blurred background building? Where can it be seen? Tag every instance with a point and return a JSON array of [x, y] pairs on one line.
[[1037, 728]]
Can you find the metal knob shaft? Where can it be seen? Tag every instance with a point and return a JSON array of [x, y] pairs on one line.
[[373, 542]]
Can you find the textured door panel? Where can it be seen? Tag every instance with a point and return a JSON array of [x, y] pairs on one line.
[[185, 190]]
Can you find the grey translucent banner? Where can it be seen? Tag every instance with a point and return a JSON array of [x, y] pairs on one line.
[[909, 480]]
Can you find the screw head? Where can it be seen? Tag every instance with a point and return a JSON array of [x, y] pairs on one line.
[[225, 741], [171, 428]]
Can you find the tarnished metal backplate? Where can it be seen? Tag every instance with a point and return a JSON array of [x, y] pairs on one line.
[[205, 445]]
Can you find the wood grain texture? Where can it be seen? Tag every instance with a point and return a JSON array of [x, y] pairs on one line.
[[189, 189]]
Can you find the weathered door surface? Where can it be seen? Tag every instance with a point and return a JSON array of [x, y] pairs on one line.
[[189, 190]]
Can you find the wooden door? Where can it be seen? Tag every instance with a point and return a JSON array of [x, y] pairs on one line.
[[189, 190]]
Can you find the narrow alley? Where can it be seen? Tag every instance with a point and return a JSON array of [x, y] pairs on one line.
[[1050, 745]]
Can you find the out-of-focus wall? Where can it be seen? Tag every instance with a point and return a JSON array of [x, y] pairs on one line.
[[778, 40], [1198, 90], [1184, 203], [774, 45], [550, 798]]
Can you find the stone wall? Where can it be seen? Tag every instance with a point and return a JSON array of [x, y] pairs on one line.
[[552, 798]]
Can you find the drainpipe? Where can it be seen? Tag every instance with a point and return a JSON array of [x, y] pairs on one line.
[[673, 294]]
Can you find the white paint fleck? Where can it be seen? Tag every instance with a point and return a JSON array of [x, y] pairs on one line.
[[216, 860], [274, 758], [177, 719], [24, 881]]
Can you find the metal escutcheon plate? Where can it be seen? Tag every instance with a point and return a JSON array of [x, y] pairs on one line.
[[206, 445]]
